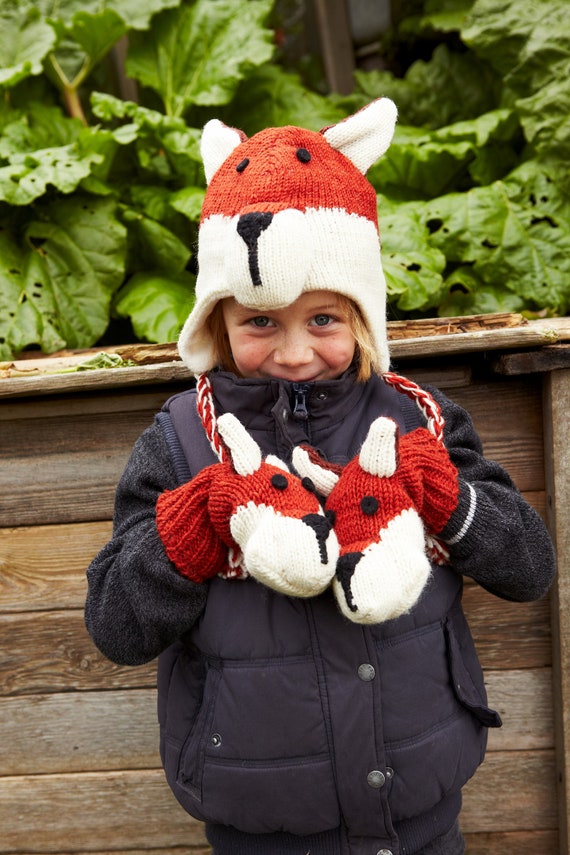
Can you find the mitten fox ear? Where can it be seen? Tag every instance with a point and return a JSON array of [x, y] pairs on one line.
[[308, 465], [245, 452], [365, 136], [378, 455]]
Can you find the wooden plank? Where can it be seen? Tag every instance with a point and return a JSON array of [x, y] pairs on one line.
[[557, 457], [513, 791], [51, 651], [511, 842], [37, 409], [66, 471], [79, 732], [528, 362], [508, 417], [401, 330], [508, 635], [43, 567], [133, 809], [114, 730], [524, 700], [473, 342], [94, 381]]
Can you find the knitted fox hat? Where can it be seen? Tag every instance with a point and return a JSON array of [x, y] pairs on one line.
[[289, 211]]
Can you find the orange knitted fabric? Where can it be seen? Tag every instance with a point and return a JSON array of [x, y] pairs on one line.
[[191, 542], [429, 477]]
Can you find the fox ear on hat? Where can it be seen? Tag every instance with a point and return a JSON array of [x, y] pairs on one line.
[[218, 142], [365, 136]]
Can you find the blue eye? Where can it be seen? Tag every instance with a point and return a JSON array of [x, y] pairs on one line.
[[260, 321], [322, 320]]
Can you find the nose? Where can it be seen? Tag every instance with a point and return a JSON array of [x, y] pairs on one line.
[[321, 525], [249, 228], [345, 567], [294, 348]]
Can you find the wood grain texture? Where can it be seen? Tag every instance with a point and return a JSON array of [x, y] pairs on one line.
[[557, 464], [52, 651], [132, 809], [512, 791], [43, 567]]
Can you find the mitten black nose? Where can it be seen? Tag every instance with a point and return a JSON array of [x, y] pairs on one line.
[[321, 526], [249, 228], [345, 567]]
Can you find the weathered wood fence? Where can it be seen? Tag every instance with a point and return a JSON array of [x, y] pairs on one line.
[[79, 767]]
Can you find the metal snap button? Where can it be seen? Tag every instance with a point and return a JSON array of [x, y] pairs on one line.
[[366, 672], [376, 779]]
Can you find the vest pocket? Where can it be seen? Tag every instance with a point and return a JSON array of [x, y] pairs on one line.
[[469, 695], [192, 754], [257, 756]]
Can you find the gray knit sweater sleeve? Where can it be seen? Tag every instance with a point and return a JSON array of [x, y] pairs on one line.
[[494, 536], [137, 603]]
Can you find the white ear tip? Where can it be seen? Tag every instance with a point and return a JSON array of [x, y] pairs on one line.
[[378, 452], [217, 143], [245, 452]]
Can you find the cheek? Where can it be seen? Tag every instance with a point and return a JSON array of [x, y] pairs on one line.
[[338, 351], [248, 353]]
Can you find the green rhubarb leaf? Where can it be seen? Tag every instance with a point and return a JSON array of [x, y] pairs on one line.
[[465, 294], [28, 314], [152, 245], [157, 305], [198, 53], [80, 250], [529, 256], [412, 267], [28, 175], [271, 97], [25, 41]]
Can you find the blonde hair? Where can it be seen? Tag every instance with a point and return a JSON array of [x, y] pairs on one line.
[[365, 356]]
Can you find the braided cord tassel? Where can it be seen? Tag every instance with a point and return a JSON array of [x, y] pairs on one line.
[[437, 550], [207, 413], [429, 407]]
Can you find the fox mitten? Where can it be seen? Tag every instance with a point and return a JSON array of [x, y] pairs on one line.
[[429, 477], [270, 520], [384, 502]]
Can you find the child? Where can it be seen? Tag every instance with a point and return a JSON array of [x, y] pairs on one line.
[[319, 691]]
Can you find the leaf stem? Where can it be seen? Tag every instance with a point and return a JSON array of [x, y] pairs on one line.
[[69, 90]]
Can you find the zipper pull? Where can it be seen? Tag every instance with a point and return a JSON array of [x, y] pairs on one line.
[[300, 392]]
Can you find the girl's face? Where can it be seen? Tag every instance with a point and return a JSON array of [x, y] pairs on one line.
[[308, 340]]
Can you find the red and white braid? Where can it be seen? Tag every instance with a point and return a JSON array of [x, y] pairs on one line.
[[207, 413], [437, 550]]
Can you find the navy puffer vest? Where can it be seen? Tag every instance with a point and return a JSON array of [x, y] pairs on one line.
[[278, 715]]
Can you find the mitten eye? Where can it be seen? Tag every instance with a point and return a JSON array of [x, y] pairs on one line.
[[280, 482], [369, 505], [308, 485]]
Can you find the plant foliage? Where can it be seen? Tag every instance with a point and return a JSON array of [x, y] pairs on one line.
[[100, 192]]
